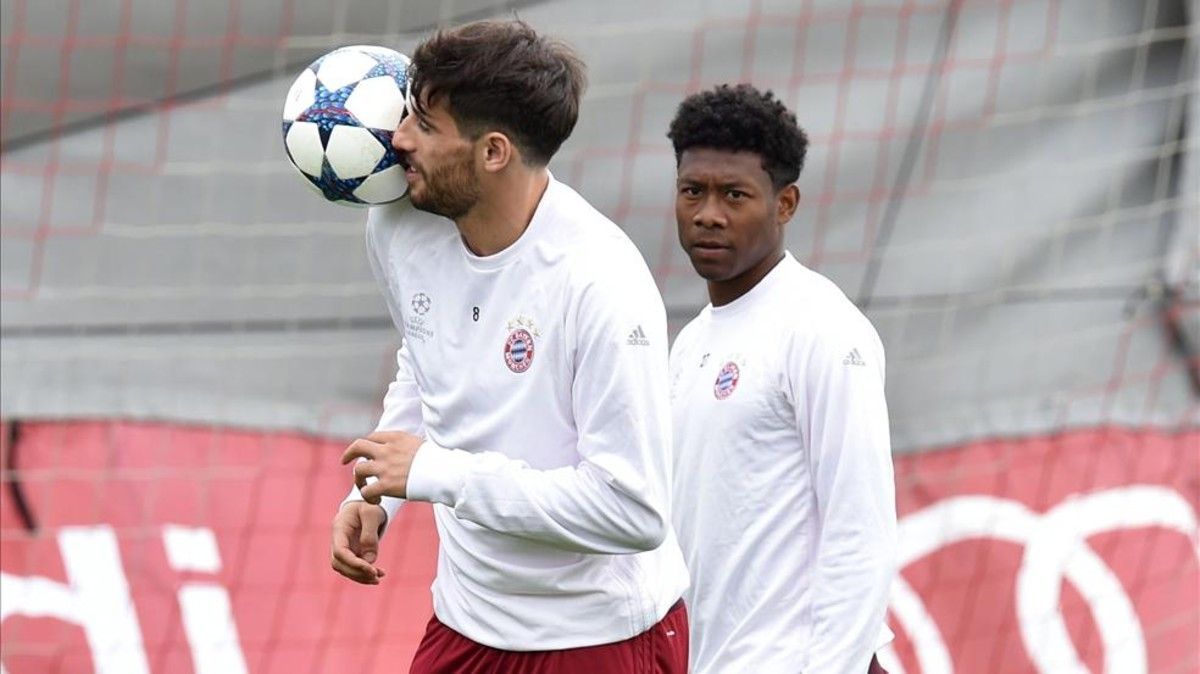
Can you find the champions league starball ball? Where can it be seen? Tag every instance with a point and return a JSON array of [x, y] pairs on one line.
[[338, 121]]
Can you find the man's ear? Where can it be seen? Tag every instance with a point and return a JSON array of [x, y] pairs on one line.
[[496, 151], [786, 202]]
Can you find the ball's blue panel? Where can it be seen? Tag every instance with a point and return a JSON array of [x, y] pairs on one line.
[[336, 189], [391, 157], [396, 68], [328, 109]]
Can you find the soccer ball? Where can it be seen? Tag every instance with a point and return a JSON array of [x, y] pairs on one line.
[[338, 121]]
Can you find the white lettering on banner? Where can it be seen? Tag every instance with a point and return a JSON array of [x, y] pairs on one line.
[[96, 594], [205, 607], [1055, 548], [211, 632], [191, 549], [96, 597]]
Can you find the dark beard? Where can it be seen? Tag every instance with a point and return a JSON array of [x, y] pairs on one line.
[[451, 190]]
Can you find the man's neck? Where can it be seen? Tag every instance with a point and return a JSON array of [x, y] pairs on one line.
[[504, 212], [721, 293]]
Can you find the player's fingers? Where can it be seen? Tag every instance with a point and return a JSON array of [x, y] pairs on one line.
[[374, 519], [341, 538], [372, 492], [352, 567], [345, 528], [360, 448], [363, 470], [361, 577], [340, 553], [368, 544]]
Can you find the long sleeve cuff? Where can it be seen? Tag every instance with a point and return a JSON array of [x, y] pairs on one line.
[[437, 474]]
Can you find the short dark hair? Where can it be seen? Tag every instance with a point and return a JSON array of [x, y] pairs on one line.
[[502, 75], [742, 118]]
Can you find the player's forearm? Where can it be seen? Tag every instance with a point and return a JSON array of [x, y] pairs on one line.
[[579, 508], [856, 552], [849, 607]]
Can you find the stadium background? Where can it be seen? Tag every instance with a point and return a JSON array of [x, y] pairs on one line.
[[1009, 188]]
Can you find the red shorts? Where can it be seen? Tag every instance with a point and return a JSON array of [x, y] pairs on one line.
[[662, 649]]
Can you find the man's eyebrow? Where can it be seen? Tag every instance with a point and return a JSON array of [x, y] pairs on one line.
[[721, 181], [736, 182], [424, 119]]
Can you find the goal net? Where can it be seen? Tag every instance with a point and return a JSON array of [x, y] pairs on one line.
[[1008, 188]]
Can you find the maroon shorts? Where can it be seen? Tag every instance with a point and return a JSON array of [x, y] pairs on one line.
[[662, 649]]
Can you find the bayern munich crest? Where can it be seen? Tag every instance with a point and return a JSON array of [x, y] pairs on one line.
[[518, 350], [727, 381]]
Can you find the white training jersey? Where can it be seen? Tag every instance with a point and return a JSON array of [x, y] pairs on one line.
[[784, 500], [538, 378]]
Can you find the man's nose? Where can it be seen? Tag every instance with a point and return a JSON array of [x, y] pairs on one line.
[[402, 136], [709, 214]]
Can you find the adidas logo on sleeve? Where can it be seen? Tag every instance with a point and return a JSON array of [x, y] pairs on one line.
[[638, 337], [853, 359]]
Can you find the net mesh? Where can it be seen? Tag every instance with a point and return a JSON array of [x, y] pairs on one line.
[[1006, 187]]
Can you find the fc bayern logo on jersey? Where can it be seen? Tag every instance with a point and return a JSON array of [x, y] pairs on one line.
[[518, 350], [727, 381]]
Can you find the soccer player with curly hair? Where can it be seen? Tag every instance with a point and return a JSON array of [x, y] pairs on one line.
[[784, 500]]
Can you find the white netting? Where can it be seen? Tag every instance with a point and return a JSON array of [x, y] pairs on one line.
[[1008, 188]]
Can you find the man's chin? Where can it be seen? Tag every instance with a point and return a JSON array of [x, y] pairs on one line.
[[421, 203], [709, 271]]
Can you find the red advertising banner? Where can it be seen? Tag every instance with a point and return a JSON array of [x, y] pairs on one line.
[[1075, 552], [130, 548]]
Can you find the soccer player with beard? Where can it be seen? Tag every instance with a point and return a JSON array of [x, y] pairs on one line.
[[784, 500], [530, 404]]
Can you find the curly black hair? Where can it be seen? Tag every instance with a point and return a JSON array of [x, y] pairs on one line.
[[742, 118]]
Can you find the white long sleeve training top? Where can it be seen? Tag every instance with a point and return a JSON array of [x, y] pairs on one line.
[[538, 378], [784, 498]]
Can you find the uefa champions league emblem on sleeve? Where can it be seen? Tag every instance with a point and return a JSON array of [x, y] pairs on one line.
[[727, 381], [421, 304], [518, 348]]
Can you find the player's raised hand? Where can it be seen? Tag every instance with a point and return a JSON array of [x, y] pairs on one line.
[[355, 545], [388, 457]]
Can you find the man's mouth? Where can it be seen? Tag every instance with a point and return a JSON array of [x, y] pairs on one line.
[[410, 170], [708, 250]]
